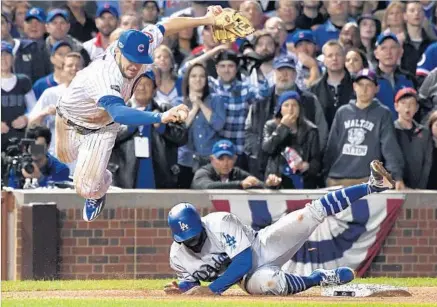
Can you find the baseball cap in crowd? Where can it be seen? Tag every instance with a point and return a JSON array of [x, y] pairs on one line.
[[223, 147], [57, 12], [107, 8], [405, 92], [284, 97], [151, 1], [58, 45], [386, 35], [227, 55], [151, 75], [284, 61], [134, 46], [6, 47], [366, 74], [302, 36], [367, 16], [37, 13]]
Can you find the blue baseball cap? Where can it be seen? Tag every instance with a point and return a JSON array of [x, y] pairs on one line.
[[302, 36], [151, 75], [366, 74], [58, 45], [284, 97], [57, 12], [284, 61], [383, 36], [134, 46], [223, 147], [107, 8], [7, 47], [37, 13]]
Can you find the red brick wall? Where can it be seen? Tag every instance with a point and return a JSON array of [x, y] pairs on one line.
[[105, 248], [411, 248]]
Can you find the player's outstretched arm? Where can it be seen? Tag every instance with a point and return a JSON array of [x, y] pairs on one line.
[[125, 115], [240, 266], [175, 24]]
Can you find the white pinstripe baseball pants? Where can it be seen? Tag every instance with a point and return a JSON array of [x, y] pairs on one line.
[[92, 152]]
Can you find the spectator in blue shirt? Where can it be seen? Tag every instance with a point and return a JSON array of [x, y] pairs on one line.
[[237, 96], [307, 67], [205, 120], [390, 77], [59, 51], [338, 16], [46, 167]]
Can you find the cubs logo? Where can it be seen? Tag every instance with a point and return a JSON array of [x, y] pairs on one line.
[[34, 11], [422, 60], [140, 48], [150, 36]]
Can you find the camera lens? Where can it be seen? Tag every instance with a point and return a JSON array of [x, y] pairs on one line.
[[28, 167]]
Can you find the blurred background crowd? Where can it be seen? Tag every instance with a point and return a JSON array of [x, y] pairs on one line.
[[317, 92]]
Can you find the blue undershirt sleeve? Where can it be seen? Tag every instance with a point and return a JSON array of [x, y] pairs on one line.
[[184, 286], [240, 266], [125, 115]]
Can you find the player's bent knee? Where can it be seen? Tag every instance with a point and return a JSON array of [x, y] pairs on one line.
[[267, 281]]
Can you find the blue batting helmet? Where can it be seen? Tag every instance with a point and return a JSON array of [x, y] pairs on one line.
[[184, 222]]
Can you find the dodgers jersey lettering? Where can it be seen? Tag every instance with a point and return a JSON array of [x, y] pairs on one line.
[[102, 78], [226, 238]]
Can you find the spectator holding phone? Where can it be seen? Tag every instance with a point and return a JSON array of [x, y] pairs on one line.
[[292, 144]]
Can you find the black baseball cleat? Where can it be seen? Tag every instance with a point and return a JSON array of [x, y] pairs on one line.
[[380, 179]]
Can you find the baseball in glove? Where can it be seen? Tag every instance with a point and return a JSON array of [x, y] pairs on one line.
[[230, 25]]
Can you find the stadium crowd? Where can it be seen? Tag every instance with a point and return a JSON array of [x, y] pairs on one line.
[[309, 100]]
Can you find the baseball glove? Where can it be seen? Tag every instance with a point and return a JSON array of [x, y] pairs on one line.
[[230, 25]]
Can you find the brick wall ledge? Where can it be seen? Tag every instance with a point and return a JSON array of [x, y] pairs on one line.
[[167, 198]]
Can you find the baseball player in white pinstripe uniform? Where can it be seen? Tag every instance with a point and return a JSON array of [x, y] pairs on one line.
[[93, 107]]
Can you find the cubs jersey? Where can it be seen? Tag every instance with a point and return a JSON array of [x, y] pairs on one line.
[[102, 78], [428, 61], [226, 238]]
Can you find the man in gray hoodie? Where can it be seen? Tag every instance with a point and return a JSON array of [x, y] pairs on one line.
[[362, 131]]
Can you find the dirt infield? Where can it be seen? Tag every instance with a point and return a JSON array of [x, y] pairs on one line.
[[419, 295]]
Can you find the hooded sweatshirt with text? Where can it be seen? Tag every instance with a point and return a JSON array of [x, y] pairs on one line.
[[359, 136]]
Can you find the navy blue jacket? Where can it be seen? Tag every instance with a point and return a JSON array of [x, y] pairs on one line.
[[31, 60], [54, 170], [387, 92]]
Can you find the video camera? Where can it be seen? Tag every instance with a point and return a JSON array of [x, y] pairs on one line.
[[17, 156]]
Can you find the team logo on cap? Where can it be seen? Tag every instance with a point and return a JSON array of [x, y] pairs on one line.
[[224, 146], [301, 34], [120, 44], [140, 48], [33, 11], [183, 226]]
